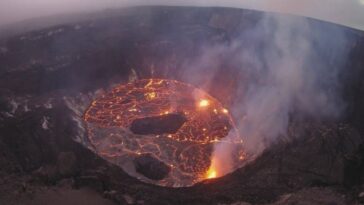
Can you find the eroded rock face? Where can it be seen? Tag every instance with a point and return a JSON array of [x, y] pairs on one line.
[[151, 167], [164, 124]]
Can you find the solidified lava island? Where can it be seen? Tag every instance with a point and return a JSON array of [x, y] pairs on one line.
[[160, 131]]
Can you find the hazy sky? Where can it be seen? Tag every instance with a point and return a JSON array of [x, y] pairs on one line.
[[347, 12]]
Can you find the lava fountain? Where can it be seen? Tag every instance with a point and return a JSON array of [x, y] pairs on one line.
[[161, 131]]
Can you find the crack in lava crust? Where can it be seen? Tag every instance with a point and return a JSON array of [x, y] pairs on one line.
[[186, 152]]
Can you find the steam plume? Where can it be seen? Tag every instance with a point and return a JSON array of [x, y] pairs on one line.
[[290, 66]]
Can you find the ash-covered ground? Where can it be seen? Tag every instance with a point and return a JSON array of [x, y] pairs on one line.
[[49, 76]]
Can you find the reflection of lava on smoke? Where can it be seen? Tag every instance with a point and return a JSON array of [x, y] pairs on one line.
[[161, 131]]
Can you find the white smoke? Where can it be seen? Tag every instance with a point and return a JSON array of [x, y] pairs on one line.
[[289, 66]]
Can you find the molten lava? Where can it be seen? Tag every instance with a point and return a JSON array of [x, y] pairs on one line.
[[212, 171], [204, 103], [152, 107]]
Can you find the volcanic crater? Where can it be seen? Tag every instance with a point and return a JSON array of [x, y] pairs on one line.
[[84, 105]]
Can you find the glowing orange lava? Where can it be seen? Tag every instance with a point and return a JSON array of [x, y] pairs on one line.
[[187, 151], [212, 171], [204, 103], [211, 174]]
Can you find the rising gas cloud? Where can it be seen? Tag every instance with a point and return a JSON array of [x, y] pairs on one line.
[[290, 66]]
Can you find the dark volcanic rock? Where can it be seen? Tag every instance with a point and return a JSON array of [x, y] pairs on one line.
[[47, 174], [312, 196], [151, 167], [67, 164], [169, 123]]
